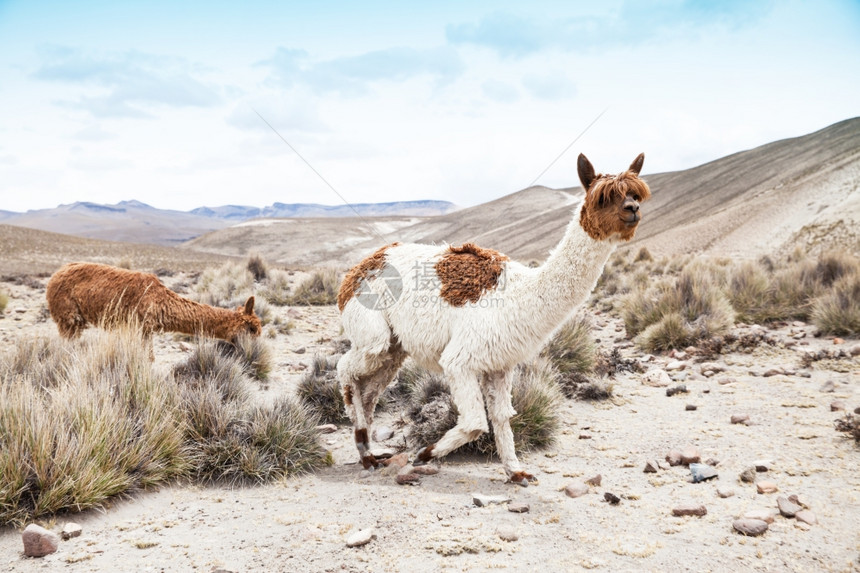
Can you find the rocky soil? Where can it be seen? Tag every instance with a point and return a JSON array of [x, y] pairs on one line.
[[760, 418]]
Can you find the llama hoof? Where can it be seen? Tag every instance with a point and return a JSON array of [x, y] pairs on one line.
[[371, 463], [522, 478], [423, 456]]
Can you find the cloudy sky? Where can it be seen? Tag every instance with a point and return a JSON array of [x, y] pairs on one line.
[[158, 101]]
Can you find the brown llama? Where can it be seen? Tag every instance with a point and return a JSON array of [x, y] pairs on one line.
[[84, 294]]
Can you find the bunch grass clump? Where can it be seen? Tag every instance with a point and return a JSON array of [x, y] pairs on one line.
[[837, 310], [88, 420], [572, 352], [225, 285], [257, 267], [319, 391], [276, 287], [4, 300], [678, 313], [318, 290]]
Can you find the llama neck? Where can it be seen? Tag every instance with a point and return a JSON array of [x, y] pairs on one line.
[[567, 277], [192, 317]]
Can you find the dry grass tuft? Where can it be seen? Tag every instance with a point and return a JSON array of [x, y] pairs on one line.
[[319, 290], [644, 255], [276, 288], [572, 352], [257, 267], [319, 391], [4, 300], [837, 311], [850, 423], [225, 285]]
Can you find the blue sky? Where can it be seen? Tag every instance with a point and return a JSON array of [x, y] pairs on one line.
[[466, 102]]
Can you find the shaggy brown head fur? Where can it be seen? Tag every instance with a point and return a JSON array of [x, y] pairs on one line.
[[352, 280], [468, 271], [611, 204]]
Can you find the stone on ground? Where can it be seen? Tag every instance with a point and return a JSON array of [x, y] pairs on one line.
[[39, 541]]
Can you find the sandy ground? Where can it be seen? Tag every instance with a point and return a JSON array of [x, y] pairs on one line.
[[302, 523]]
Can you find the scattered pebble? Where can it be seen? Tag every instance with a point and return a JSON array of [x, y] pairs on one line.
[[584, 436], [855, 350], [712, 462], [806, 516], [327, 429], [775, 371], [786, 507], [674, 458], [425, 470], [748, 475], [680, 389], [408, 479], [360, 538], [594, 480], [766, 515], [676, 365], [751, 527], [766, 487], [727, 380], [301, 350], [713, 367], [828, 387], [482, 500], [39, 541], [689, 509], [690, 455], [838, 340], [702, 472], [656, 377], [611, 498], [762, 466], [799, 500], [71, 530], [518, 507], [507, 534], [837, 406], [725, 492], [740, 418], [691, 407], [382, 433], [651, 467], [576, 489]]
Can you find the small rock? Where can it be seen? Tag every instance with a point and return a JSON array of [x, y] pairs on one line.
[[713, 367], [691, 407], [679, 389], [38, 541], [725, 492], [702, 472], [751, 527], [301, 350], [828, 387], [576, 489], [678, 354], [762, 466], [507, 534], [766, 487], [674, 458], [364, 474], [518, 507], [676, 365], [740, 418], [712, 462], [690, 455], [656, 377], [748, 475], [775, 371], [837, 406], [611, 498], [766, 515], [727, 380], [806, 516], [426, 470], [327, 429], [855, 350], [408, 479], [71, 530], [651, 467], [689, 509], [594, 480], [664, 465], [786, 507], [584, 436], [382, 433], [360, 538], [837, 340], [799, 500], [482, 500]]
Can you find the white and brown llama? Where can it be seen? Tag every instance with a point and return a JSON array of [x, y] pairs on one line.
[[83, 294], [454, 315]]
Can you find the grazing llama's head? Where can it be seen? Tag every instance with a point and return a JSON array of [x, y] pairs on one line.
[[611, 207], [245, 321]]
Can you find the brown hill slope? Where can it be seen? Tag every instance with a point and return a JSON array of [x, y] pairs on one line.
[[33, 252], [798, 191]]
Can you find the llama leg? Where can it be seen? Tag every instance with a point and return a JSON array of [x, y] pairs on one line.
[[380, 380], [471, 422], [497, 391]]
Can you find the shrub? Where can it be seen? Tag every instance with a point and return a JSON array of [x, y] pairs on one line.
[[644, 255], [572, 352], [319, 391], [276, 288], [318, 290], [257, 267], [851, 424], [225, 286], [837, 311], [674, 314], [536, 397], [4, 300]]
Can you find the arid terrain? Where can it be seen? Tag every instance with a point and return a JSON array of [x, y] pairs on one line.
[[785, 384], [302, 523]]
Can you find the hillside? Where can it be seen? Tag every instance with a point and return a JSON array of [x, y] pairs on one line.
[[799, 191]]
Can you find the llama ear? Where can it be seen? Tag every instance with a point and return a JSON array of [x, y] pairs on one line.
[[636, 166], [249, 306], [586, 172]]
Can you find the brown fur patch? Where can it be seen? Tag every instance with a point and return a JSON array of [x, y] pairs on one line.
[[426, 454], [359, 272], [602, 210], [347, 395], [467, 272], [520, 476], [361, 436]]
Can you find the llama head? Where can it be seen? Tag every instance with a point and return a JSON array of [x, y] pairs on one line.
[[246, 321], [611, 206]]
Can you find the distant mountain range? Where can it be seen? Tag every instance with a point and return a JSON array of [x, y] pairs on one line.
[[137, 222]]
